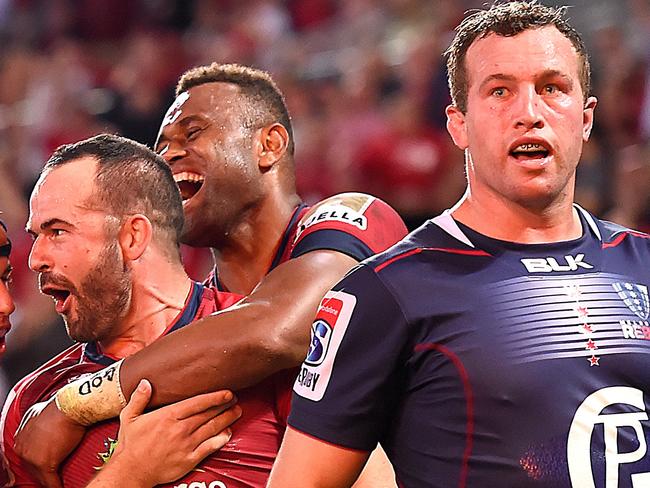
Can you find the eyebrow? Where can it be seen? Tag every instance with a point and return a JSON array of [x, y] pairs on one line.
[[496, 77], [546, 74], [553, 73], [46, 225]]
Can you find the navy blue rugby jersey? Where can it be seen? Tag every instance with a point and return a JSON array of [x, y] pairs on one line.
[[483, 363]]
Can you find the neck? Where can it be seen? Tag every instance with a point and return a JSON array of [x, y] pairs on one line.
[[508, 221], [252, 245], [155, 303]]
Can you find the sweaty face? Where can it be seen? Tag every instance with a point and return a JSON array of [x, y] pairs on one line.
[[76, 254], [205, 139], [526, 118]]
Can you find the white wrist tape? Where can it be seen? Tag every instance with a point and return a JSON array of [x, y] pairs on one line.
[[91, 399]]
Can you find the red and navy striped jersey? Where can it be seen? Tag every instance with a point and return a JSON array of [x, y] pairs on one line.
[[481, 363], [244, 462]]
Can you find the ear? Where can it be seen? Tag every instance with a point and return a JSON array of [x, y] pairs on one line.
[[588, 117], [456, 126], [273, 143], [134, 236]]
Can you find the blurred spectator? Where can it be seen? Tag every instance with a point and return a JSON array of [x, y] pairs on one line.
[[593, 176], [409, 164], [631, 195]]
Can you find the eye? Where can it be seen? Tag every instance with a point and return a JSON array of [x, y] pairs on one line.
[[498, 92], [192, 133], [6, 276], [57, 232], [551, 89]]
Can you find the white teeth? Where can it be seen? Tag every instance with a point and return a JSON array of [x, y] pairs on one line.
[[529, 148], [187, 176]]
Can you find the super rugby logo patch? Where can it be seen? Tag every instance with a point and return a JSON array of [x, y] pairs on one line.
[[635, 297], [321, 331], [327, 333], [348, 208]]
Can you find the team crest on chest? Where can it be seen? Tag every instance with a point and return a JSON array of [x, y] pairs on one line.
[[104, 457], [635, 297]]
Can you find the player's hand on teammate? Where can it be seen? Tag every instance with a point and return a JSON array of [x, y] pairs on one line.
[[44, 439], [162, 445]]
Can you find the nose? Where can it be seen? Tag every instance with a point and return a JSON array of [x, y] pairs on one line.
[[7, 305], [39, 258], [529, 114], [175, 152]]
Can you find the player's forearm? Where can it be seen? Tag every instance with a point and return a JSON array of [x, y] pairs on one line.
[[116, 476], [306, 462], [267, 332], [233, 349]]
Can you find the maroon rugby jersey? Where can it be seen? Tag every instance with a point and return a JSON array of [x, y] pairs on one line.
[[245, 461]]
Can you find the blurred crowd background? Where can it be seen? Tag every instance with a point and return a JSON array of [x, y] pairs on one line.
[[364, 80]]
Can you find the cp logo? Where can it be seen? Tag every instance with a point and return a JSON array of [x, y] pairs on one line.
[[587, 416]]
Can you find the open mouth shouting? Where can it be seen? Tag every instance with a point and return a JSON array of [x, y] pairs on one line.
[[189, 184], [59, 294]]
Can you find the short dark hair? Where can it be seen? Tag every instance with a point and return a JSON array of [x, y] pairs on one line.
[[507, 19], [130, 179], [266, 102]]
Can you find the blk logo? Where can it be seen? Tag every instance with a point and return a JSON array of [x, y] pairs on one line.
[[550, 264]]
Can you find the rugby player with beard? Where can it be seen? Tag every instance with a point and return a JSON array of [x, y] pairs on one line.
[[106, 248]]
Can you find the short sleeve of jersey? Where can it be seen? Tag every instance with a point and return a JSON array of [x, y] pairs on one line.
[[344, 389], [355, 224]]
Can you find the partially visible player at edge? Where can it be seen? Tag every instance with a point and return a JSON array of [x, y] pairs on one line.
[[504, 342], [7, 307], [228, 140]]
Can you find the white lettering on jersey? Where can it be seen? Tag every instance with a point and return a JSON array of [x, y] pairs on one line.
[[348, 208], [635, 329], [327, 332], [550, 264], [587, 416], [202, 484]]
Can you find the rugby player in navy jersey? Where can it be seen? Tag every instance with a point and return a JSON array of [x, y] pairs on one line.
[[505, 342], [227, 138]]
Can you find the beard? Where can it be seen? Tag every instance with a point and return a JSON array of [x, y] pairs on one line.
[[102, 298]]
